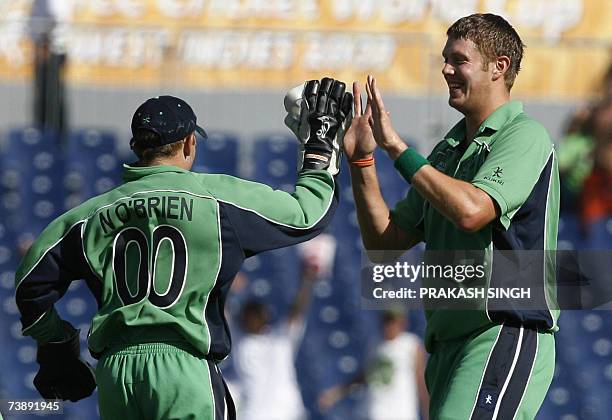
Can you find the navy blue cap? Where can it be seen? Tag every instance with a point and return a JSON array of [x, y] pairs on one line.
[[171, 118]]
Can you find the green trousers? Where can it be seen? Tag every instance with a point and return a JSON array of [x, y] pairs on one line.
[[503, 372], [160, 381]]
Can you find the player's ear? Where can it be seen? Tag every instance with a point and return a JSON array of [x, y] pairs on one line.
[[189, 147], [500, 67]]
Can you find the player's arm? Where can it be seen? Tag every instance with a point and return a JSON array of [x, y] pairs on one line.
[[468, 207], [43, 277], [379, 230], [264, 218]]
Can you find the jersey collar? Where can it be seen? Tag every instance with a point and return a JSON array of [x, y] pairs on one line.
[[503, 114], [132, 173], [495, 121]]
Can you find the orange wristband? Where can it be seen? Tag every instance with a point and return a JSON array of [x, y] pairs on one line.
[[363, 163]]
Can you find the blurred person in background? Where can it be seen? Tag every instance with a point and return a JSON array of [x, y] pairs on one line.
[[577, 152], [596, 197], [49, 65], [394, 375], [264, 358]]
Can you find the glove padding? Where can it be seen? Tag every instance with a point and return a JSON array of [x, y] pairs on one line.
[[319, 117], [63, 374]]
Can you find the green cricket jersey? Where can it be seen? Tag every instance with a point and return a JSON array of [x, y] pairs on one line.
[[160, 251], [512, 159]]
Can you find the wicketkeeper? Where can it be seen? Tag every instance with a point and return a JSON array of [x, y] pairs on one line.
[[159, 254]]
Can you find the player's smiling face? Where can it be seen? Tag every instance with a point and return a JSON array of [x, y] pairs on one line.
[[468, 83]]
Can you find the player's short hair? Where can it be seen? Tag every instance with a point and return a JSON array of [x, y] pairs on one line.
[[494, 37], [147, 154]]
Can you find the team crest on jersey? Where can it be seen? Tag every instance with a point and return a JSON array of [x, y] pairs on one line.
[[496, 176], [440, 161]]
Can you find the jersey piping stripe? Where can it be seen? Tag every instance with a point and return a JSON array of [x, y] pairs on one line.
[[85, 255], [212, 391], [522, 343], [45, 253], [545, 265], [331, 198], [492, 254], [220, 261], [35, 265], [221, 394], [512, 367], [484, 370], [537, 337], [23, 331], [511, 215], [546, 298], [510, 404]]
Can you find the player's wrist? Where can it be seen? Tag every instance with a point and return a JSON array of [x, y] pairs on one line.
[[362, 162], [68, 347], [395, 148], [409, 162], [359, 155]]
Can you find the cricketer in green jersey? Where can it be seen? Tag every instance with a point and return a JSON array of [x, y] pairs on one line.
[[490, 184], [159, 254]]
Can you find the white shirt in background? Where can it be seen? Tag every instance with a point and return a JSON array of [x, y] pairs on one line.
[[392, 380]]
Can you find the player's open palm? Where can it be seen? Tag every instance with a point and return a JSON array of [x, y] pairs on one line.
[[359, 141], [382, 127]]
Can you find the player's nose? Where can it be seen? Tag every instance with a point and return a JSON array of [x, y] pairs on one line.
[[447, 70]]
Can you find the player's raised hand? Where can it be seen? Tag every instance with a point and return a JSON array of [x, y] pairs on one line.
[[359, 141], [324, 115], [382, 127]]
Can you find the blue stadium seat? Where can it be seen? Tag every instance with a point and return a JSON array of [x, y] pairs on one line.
[[31, 171], [89, 141], [273, 278], [583, 375], [599, 234], [218, 154], [23, 143], [275, 161], [392, 185], [92, 165], [569, 236]]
